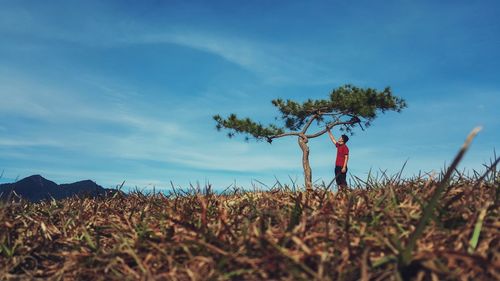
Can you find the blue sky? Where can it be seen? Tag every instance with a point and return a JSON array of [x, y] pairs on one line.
[[125, 90]]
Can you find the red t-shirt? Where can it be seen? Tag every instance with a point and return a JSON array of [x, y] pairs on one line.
[[342, 152]]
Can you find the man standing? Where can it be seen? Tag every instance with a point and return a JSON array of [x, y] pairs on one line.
[[341, 161]]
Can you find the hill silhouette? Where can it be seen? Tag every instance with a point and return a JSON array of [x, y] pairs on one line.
[[36, 188]]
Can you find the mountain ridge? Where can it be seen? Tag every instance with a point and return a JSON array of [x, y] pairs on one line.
[[36, 188]]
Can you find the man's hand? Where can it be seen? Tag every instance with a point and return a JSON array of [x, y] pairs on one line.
[[331, 135], [344, 170]]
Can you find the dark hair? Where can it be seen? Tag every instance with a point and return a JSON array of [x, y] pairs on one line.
[[345, 138]]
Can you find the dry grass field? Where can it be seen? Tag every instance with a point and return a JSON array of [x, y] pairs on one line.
[[281, 234]]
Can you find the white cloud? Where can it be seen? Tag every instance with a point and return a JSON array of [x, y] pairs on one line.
[[60, 112], [272, 62], [277, 63], [22, 142]]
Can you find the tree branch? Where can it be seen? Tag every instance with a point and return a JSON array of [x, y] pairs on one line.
[[270, 138], [309, 123], [333, 124]]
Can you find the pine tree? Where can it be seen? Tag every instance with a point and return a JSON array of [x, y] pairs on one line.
[[348, 106]]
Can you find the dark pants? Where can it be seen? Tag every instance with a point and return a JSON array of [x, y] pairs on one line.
[[340, 177]]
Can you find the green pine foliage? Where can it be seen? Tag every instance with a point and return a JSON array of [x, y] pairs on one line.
[[237, 125], [347, 106]]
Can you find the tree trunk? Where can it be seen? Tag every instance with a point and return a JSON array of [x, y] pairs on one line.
[[305, 161]]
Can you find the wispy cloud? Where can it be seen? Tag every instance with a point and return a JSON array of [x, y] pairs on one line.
[[140, 137], [272, 62]]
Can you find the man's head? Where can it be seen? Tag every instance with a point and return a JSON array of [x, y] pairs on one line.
[[343, 139]]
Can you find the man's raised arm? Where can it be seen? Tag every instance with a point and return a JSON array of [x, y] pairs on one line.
[[331, 136]]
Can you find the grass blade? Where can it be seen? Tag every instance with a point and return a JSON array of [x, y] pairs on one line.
[[406, 256]]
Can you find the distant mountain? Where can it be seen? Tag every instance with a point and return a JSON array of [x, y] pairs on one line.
[[87, 187], [36, 188]]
